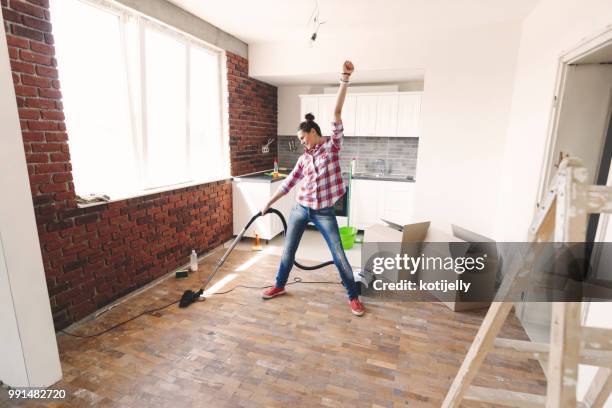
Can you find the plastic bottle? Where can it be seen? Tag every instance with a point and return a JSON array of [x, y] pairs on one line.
[[193, 261], [275, 174]]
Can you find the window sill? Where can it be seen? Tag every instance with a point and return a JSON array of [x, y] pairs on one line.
[[151, 191]]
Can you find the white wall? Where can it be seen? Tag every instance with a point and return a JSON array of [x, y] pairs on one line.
[[468, 88], [28, 348], [552, 28]]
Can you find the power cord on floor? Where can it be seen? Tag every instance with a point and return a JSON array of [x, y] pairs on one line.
[[296, 280]]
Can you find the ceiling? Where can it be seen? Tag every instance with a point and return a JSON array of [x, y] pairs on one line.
[[265, 21]]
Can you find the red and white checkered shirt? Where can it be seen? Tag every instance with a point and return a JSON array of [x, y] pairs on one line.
[[320, 168]]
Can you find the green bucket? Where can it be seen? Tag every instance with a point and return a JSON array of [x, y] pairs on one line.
[[347, 236]]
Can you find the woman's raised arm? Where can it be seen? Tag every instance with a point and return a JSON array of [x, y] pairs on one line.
[[347, 70]]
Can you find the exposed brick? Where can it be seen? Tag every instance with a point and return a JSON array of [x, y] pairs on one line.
[[40, 103], [43, 3], [37, 24], [47, 72], [42, 48], [35, 57], [27, 33], [56, 137], [33, 136], [25, 90], [36, 81], [46, 147], [12, 16], [13, 53], [30, 9], [22, 67], [49, 93], [18, 42], [29, 113], [43, 125], [53, 115]]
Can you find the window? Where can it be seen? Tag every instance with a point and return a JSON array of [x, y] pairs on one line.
[[142, 101]]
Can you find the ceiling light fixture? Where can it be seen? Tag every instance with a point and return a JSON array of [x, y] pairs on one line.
[[315, 22]]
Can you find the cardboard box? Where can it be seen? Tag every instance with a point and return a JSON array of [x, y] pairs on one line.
[[446, 241]]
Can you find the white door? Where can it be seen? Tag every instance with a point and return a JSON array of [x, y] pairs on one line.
[[348, 115], [386, 115], [327, 104], [365, 120], [409, 115], [308, 104]]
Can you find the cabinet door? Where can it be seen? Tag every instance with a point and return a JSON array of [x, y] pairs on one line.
[[409, 115], [308, 104], [327, 104], [366, 203], [365, 115], [386, 115], [398, 201], [348, 115]]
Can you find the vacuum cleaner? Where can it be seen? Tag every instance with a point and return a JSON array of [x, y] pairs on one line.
[[190, 296]]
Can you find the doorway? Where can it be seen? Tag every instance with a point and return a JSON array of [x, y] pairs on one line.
[[580, 127]]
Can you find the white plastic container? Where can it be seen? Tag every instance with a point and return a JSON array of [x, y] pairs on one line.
[[193, 261]]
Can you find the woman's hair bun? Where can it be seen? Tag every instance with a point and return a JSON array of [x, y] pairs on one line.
[[309, 117]]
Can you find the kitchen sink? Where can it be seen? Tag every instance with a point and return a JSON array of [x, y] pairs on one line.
[[378, 176]]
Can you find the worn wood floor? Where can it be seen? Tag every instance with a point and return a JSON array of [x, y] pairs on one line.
[[303, 349]]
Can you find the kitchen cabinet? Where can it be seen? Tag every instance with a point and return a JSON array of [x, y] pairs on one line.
[[247, 199], [325, 113], [348, 115], [365, 115], [373, 200], [409, 115], [386, 115], [390, 114], [309, 104]]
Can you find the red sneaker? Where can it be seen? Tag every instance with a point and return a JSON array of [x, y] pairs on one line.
[[273, 292], [356, 307]]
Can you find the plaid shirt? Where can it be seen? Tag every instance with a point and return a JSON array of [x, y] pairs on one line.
[[320, 168]]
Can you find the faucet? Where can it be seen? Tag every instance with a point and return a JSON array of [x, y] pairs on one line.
[[380, 166]]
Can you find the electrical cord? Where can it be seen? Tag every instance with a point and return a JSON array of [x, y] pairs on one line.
[[196, 295], [296, 280]]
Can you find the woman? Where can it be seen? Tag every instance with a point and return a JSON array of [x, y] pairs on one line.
[[320, 167]]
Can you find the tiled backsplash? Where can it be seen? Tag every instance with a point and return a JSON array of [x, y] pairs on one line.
[[399, 154]]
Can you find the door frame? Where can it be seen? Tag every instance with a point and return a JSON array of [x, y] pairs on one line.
[[580, 50]]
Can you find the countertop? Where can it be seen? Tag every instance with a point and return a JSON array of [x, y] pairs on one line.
[[384, 177], [261, 177]]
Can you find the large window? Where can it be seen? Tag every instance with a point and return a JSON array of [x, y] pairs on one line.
[[142, 101]]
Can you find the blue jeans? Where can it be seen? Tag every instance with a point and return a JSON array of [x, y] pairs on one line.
[[325, 221]]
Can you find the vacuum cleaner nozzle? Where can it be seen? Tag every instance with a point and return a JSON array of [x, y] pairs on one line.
[[189, 297]]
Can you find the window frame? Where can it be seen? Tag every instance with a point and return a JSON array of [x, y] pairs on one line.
[[138, 103]]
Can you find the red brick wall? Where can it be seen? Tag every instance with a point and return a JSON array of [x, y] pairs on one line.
[[93, 256], [252, 118]]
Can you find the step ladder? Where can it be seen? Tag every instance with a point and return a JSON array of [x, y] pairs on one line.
[[561, 218]]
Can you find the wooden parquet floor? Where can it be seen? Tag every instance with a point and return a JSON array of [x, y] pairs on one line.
[[304, 349]]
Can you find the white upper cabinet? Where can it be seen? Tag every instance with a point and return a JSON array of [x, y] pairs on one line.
[[390, 114], [409, 115], [365, 115], [386, 115], [348, 115], [309, 104], [325, 117]]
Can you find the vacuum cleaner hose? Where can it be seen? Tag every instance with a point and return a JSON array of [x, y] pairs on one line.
[[282, 218]]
